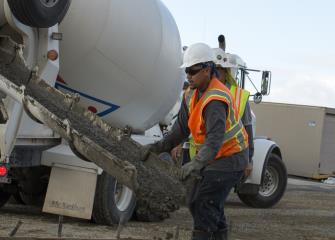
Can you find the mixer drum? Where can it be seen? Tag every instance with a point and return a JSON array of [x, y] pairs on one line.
[[123, 57]]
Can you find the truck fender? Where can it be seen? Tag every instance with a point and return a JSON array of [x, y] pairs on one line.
[[263, 148]]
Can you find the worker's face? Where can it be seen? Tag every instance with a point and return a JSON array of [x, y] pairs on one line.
[[198, 76], [222, 74]]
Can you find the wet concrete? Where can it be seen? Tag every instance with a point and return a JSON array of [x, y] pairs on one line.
[[158, 193]]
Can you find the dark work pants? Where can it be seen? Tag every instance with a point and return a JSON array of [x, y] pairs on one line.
[[207, 197]]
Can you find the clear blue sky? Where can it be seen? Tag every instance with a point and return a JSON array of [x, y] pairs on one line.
[[294, 39]]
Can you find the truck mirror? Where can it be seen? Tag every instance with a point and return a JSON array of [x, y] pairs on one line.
[[266, 82], [258, 98]]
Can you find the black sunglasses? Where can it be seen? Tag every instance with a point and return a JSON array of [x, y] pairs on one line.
[[194, 69]]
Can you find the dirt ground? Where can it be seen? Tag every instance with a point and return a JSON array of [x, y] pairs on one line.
[[306, 212]]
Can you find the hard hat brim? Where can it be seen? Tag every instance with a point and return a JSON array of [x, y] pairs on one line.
[[184, 65]]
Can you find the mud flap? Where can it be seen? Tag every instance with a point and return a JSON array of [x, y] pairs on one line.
[[71, 191]]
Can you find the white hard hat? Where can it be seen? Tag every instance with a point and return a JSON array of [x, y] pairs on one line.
[[197, 53], [223, 59]]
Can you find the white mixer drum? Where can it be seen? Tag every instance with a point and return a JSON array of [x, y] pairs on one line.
[[123, 57]]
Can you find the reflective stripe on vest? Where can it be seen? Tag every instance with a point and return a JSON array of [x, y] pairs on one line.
[[241, 97], [235, 139], [235, 131]]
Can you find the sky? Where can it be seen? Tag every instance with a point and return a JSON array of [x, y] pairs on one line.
[[293, 39]]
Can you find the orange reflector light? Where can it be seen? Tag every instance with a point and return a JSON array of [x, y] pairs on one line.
[[52, 55], [3, 171]]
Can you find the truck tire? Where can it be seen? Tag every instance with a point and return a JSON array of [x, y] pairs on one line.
[[113, 202], [17, 197], [39, 13], [32, 185], [33, 199], [4, 196], [272, 188]]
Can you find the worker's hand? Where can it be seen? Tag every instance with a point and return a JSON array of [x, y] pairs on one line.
[[248, 170], [176, 153], [190, 167], [146, 149]]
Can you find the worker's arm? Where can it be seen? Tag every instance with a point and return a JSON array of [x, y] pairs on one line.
[[248, 128], [214, 116], [247, 122], [178, 133]]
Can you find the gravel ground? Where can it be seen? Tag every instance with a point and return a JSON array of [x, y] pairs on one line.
[[306, 212]]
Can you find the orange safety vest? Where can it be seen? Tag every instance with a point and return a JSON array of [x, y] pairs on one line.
[[236, 137]]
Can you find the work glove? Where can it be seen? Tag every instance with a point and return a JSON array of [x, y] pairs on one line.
[[146, 149], [192, 167], [197, 163]]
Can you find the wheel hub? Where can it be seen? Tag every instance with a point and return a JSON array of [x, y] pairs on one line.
[[123, 196], [270, 182], [49, 3]]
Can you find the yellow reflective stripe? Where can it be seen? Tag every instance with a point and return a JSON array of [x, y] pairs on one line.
[[225, 96], [241, 140], [232, 90], [193, 149], [241, 98], [243, 102], [237, 99], [234, 132], [236, 126]]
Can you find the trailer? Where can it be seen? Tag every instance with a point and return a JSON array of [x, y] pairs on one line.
[[308, 142]]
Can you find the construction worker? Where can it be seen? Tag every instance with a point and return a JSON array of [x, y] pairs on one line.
[[224, 65], [208, 112]]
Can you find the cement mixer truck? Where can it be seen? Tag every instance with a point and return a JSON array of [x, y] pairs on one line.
[[83, 85]]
